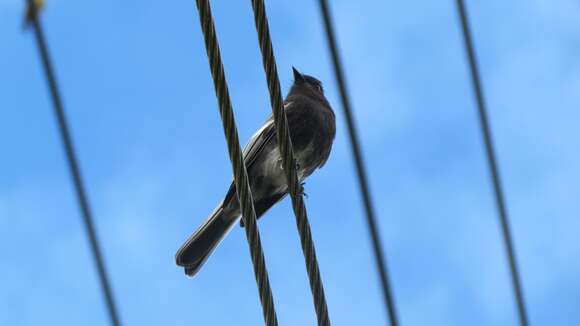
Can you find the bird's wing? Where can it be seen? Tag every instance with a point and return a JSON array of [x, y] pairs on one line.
[[258, 141], [262, 137], [254, 148]]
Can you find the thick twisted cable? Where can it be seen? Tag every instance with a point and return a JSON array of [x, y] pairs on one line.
[[285, 146], [240, 172]]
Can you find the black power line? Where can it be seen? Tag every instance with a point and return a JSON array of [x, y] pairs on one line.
[[286, 151], [492, 162], [360, 168], [73, 165], [240, 173]]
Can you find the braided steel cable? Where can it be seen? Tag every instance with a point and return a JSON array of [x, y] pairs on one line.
[[239, 168], [289, 163]]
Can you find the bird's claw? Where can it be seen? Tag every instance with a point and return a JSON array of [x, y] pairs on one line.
[[301, 190]]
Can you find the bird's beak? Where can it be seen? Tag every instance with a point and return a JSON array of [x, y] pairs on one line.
[[297, 75]]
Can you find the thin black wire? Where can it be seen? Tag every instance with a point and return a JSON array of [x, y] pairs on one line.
[[492, 162], [360, 168], [240, 173], [74, 167], [285, 146]]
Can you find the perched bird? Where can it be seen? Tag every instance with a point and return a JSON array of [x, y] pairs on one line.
[[312, 129], [31, 11]]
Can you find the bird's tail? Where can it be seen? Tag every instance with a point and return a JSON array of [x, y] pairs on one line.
[[199, 246]]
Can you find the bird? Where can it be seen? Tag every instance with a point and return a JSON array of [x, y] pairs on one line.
[[312, 128], [31, 12]]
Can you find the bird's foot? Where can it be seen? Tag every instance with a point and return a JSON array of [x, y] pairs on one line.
[[301, 190]]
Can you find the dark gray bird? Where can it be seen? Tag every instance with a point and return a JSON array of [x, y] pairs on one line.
[[312, 130]]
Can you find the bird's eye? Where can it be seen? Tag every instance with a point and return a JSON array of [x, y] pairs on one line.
[[319, 87]]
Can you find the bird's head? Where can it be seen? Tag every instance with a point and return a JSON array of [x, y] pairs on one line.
[[306, 85]]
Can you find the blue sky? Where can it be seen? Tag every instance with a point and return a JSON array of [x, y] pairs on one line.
[[138, 94]]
